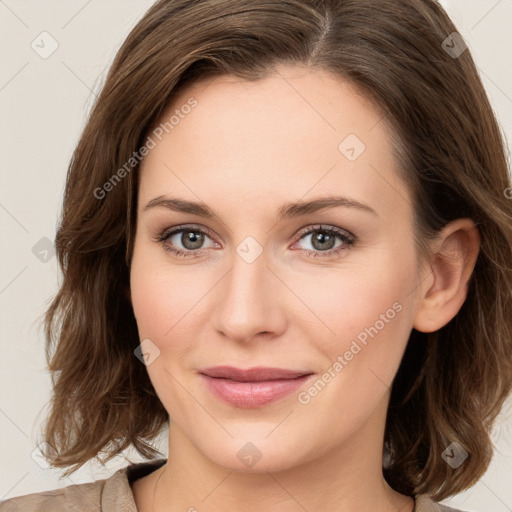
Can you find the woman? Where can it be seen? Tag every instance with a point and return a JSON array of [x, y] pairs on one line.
[[230, 143]]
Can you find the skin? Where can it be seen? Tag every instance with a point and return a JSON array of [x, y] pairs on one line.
[[244, 150]]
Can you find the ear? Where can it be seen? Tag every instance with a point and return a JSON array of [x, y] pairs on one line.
[[445, 284]]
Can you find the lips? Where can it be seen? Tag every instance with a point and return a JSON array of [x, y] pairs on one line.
[[253, 387], [256, 374]]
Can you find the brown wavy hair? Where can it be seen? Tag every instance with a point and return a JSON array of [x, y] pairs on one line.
[[451, 383]]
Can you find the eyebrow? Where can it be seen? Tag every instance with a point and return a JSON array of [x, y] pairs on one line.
[[285, 211]]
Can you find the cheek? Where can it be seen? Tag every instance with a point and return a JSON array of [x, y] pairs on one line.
[[365, 311], [165, 298], [149, 301], [369, 314]]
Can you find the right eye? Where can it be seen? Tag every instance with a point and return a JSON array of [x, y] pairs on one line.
[[190, 237]]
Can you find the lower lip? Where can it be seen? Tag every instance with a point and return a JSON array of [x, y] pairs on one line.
[[253, 394]]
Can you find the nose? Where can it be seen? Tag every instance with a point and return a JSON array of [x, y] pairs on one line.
[[250, 300]]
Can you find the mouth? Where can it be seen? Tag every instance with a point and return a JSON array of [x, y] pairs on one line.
[[252, 387]]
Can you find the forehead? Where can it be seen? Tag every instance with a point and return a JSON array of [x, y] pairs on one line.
[[295, 133], [319, 98]]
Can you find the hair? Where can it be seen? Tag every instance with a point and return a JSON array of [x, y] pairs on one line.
[[452, 383]]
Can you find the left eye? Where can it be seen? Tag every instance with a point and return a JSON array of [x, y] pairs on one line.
[[323, 239]]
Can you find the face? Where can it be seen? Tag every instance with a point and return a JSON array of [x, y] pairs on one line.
[[328, 292]]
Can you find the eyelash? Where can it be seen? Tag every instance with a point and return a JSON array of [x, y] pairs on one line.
[[347, 238]]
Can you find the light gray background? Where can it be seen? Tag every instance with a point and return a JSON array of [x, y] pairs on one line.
[[43, 106]]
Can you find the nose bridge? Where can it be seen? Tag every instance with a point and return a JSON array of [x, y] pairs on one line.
[[248, 304]]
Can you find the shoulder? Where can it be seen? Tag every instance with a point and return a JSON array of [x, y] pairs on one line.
[[73, 497], [108, 495], [425, 504]]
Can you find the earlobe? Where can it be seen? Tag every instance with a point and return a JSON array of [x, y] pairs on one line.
[[454, 256]]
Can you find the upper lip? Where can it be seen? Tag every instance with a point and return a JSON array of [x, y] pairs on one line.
[[255, 374]]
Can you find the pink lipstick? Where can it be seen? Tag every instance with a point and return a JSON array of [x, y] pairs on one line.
[[252, 387]]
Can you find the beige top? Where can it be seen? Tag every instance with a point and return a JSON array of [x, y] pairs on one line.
[[114, 494]]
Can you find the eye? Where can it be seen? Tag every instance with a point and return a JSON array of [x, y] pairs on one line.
[[323, 240], [190, 237]]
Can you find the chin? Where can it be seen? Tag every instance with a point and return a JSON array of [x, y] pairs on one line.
[[258, 456]]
